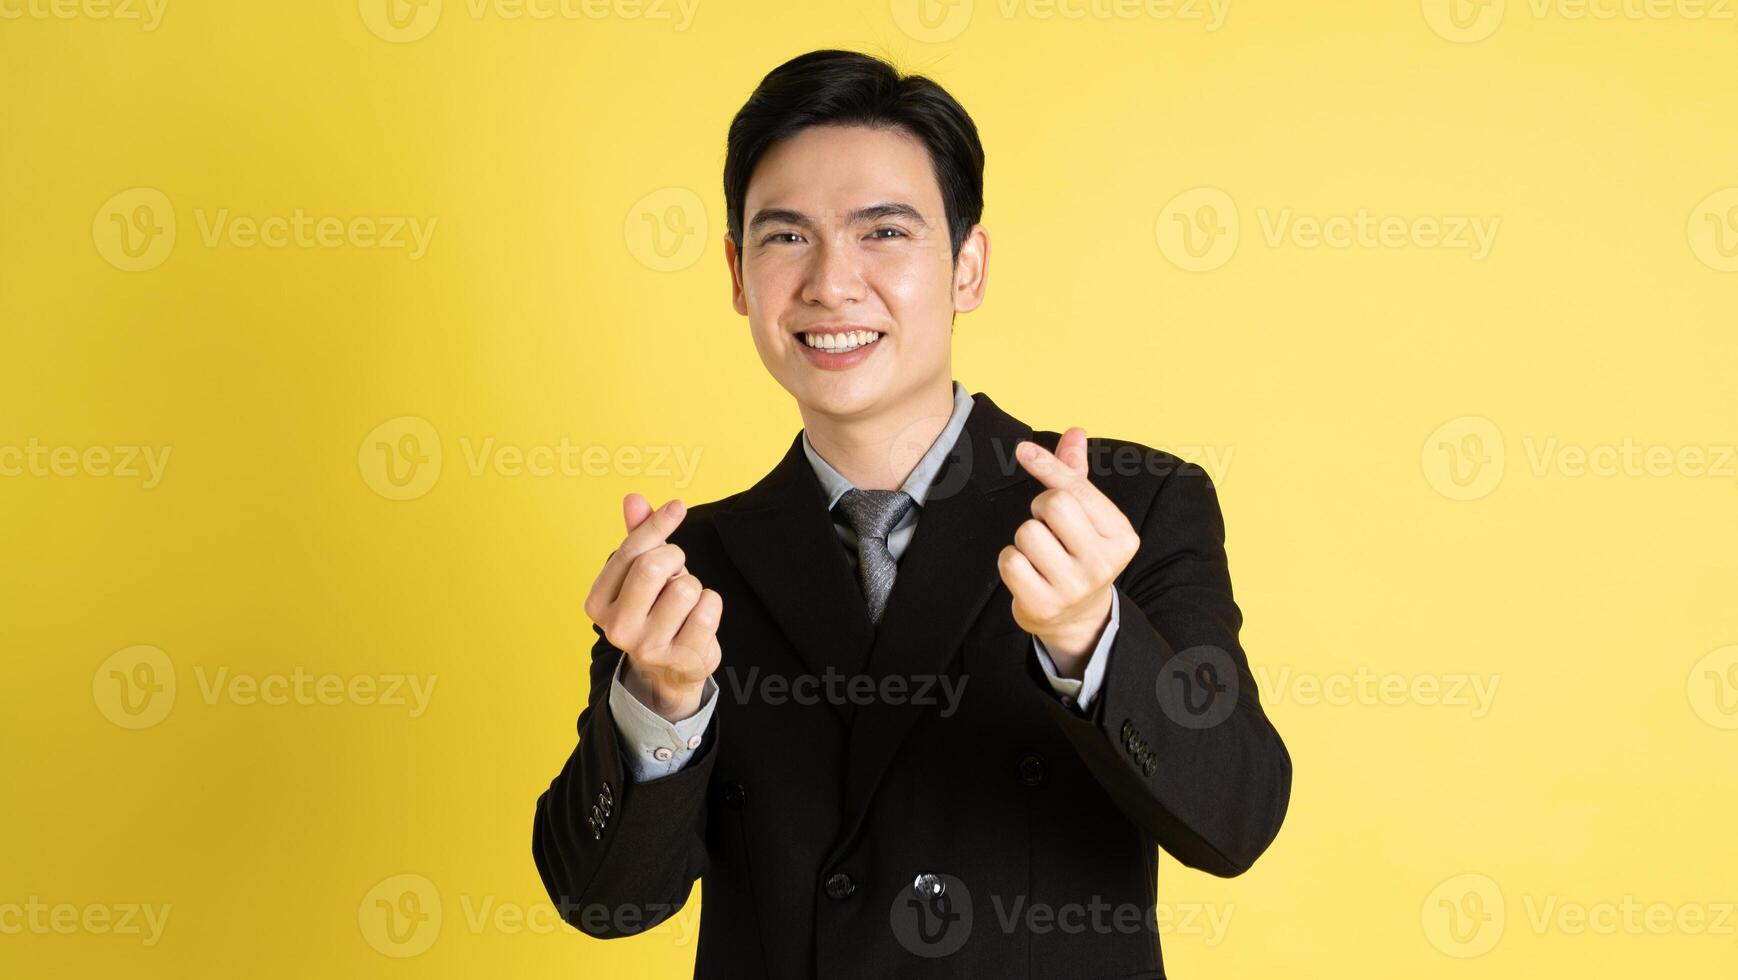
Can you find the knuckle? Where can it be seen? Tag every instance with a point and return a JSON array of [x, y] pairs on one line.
[[685, 589], [667, 558], [622, 638], [707, 609], [646, 568]]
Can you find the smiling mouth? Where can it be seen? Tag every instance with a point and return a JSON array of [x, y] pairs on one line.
[[839, 343]]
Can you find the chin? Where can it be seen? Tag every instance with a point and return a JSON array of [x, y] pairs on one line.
[[840, 395]]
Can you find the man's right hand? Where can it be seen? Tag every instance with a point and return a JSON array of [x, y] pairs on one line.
[[656, 613]]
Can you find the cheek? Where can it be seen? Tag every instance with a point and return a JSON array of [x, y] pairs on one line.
[[769, 283], [914, 284]]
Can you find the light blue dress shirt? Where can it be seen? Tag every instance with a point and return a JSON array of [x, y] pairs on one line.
[[657, 747]]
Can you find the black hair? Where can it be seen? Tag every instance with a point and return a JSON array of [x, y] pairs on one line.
[[848, 88]]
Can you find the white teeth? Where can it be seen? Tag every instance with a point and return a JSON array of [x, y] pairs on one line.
[[840, 342]]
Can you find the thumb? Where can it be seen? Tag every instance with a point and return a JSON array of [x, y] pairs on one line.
[[1071, 449], [635, 510]]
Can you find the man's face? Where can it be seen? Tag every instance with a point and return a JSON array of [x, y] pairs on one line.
[[844, 230]]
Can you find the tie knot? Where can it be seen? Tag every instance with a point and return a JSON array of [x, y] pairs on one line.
[[875, 513]]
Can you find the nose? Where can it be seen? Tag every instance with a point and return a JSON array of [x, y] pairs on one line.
[[832, 277]]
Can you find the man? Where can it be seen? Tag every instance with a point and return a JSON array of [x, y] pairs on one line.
[[970, 673]]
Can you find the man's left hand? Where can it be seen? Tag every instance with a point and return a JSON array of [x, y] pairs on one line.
[[1063, 564]]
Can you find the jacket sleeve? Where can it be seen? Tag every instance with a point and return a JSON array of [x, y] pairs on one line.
[[1177, 735], [618, 856]]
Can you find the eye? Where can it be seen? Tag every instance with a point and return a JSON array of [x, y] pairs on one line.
[[779, 234], [877, 232]]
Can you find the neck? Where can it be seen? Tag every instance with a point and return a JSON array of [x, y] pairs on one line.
[[879, 451]]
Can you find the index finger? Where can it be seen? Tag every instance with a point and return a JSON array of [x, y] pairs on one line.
[[1051, 471], [649, 533]]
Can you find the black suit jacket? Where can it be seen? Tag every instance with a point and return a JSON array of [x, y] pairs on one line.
[[825, 830]]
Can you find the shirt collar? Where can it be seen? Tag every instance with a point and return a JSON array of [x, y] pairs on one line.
[[922, 475]]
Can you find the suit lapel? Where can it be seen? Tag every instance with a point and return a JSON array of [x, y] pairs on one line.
[[946, 575], [781, 538]]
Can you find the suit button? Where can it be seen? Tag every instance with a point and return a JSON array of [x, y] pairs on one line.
[[928, 887], [840, 885], [1031, 770], [733, 795]]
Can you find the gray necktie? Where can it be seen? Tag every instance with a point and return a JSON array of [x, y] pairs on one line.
[[873, 514]]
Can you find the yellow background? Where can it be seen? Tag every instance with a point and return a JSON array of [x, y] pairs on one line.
[[1321, 385]]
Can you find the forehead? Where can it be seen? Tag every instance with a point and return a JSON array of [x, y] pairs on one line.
[[826, 171]]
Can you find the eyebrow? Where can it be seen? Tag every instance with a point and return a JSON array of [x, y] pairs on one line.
[[873, 212]]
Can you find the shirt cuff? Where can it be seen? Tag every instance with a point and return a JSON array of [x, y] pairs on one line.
[[1086, 688], [652, 745]]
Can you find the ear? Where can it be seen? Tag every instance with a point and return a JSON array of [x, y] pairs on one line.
[[972, 270], [734, 260]]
